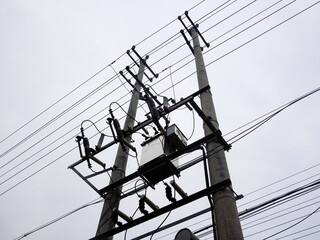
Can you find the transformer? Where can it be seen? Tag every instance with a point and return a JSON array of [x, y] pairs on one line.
[[155, 164]]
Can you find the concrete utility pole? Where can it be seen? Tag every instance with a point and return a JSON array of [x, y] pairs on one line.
[[226, 214], [112, 200]]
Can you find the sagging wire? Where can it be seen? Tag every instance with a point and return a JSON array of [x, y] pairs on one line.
[[60, 218], [122, 110], [299, 12], [263, 121], [95, 126], [213, 62]]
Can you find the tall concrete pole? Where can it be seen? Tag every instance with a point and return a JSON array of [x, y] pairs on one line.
[[112, 201], [226, 214]]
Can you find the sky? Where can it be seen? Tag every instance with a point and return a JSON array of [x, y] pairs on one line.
[[54, 53]]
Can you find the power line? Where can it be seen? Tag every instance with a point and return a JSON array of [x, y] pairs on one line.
[[246, 42], [306, 235], [55, 103], [88, 204], [50, 122], [54, 119], [254, 222], [293, 225], [279, 224], [59, 218], [157, 61], [93, 76], [261, 34], [178, 35], [166, 25], [282, 199]]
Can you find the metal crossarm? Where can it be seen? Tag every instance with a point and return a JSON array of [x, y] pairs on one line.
[[163, 210]]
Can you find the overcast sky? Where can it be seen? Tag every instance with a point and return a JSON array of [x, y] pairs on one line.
[[48, 48]]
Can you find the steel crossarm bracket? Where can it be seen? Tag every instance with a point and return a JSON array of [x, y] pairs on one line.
[[205, 192], [149, 121], [191, 147], [217, 132]]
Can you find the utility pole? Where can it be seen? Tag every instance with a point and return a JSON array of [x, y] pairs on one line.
[[112, 199], [225, 210]]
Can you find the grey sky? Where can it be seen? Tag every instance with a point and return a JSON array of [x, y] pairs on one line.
[[50, 47]]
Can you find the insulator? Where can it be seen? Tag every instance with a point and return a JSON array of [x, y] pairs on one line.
[[129, 145], [98, 147], [178, 189], [149, 202], [187, 105], [98, 161], [122, 215]]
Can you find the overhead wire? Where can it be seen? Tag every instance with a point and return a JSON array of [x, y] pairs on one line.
[[183, 65], [206, 30], [277, 201], [178, 35], [42, 168], [166, 25], [33, 145], [292, 102], [55, 103], [277, 181], [39, 170], [256, 37], [282, 199], [48, 123], [45, 155], [46, 136], [93, 76], [293, 225], [52, 120], [277, 225], [307, 235], [303, 230], [93, 202], [52, 132], [261, 34], [257, 222], [276, 214], [279, 190]]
